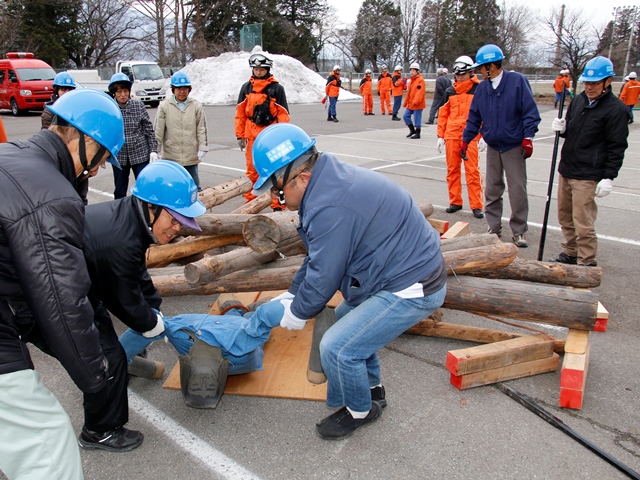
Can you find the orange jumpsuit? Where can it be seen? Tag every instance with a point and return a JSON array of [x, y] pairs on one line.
[[561, 80], [3, 134], [452, 118], [366, 89], [384, 89], [630, 92], [252, 94]]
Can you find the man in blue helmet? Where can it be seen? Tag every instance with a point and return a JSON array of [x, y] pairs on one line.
[[44, 281], [181, 127], [117, 235], [504, 111], [595, 132], [377, 249], [62, 83]]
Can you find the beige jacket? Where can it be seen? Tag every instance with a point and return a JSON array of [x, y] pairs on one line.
[[181, 133]]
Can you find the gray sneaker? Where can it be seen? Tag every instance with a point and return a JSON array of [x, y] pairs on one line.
[[497, 232], [520, 241]]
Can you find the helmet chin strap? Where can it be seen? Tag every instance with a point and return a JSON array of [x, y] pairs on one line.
[[285, 177], [95, 161]]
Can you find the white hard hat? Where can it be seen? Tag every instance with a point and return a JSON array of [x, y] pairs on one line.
[[384, 67], [398, 68], [337, 67], [633, 75], [368, 70], [415, 65], [445, 70]]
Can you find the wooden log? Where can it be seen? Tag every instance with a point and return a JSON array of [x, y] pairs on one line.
[[468, 241], [212, 196], [163, 255], [263, 233], [256, 205], [217, 224], [526, 301], [546, 272], [430, 328], [510, 372], [476, 259], [211, 268], [276, 275], [499, 354]]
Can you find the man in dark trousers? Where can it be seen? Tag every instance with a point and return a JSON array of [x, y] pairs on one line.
[[595, 132], [442, 83], [44, 281]]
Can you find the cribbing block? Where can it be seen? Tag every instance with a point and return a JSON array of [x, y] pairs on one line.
[[573, 378], [441, 226], [602, 318], [459, 229]]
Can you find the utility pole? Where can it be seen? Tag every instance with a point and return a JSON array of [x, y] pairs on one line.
[[630, 44], [613, 29], [558, 60]]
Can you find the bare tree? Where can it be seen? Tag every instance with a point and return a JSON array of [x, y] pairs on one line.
[[411, 13], [516, 24], [157, 11]]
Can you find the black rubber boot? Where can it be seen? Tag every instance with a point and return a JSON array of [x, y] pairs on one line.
[[395, 118], [335, 119], [412, 131], [417, 134], [330, 118], [141, 367], [203, 375], [323, 321]]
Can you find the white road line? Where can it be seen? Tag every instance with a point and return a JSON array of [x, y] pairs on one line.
[[100, 192], [216, 461]]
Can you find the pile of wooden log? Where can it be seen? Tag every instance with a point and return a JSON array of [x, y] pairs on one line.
[[262, 252]]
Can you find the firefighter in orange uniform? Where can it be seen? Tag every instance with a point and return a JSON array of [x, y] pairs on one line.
[[630, 92], [366, 89], [397, 89], [384, 90], [415, 101], [561, 80], [261, 102], [452, 118], [332, 89]]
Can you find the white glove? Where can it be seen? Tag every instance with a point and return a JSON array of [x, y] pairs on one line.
[[242, 143], [289, 320], [284, 296], [559, 125], [153, 156], [604, 187], [440, 144], [482, 145], [201, 154], [158, 329]]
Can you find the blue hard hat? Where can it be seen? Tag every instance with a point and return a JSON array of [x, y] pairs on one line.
[[597, 69], [119, 78], [168, 184], [95, 114], [276, 146], [489, 53], [180, 79], [64, 79]]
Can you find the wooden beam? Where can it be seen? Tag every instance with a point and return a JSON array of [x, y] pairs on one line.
[[575, 366], [459, 229], [441, 226], [500, 354], [502, 374]]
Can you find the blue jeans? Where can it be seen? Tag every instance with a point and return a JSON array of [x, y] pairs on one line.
[[417, 117], [630, 107], [193, 171], [397, 103], [348, 348], [332, 105]]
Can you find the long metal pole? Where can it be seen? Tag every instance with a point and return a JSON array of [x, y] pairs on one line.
[[543, 234]]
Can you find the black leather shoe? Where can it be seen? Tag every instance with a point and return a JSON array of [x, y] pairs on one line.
[[477, 212], [119, 440], [342, 425], [564, 258], [453, 208]]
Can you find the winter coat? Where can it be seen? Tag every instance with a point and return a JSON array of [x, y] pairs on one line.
[[504, 116], [452, 116], [42, 271], [442, 83], [416, 94], [630, 92], [366, 85], [253, 93], [332, 88], [181, 133], [360, 243], [560, 81], [140, 139], [397, 85], [595, 138], [384, 82], [116, 240]]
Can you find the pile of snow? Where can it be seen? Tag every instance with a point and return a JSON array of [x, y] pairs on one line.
[[217, 80]]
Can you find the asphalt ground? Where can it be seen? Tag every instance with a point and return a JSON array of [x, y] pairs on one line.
[[430, 430]]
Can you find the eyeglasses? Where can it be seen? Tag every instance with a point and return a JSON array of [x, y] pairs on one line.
[[276, 189]]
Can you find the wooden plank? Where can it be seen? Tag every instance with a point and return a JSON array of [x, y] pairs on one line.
[[459, 229], [517, 370], [499, 354], [577, 341], [573, 379], [602, 318], [441, 226]]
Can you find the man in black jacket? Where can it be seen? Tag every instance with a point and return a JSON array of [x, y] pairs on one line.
[[442, 83], [116, 238], [595, 132], [44, 281]]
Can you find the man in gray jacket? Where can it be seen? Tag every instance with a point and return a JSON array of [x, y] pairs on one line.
[[442, 83], [376, 249]]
